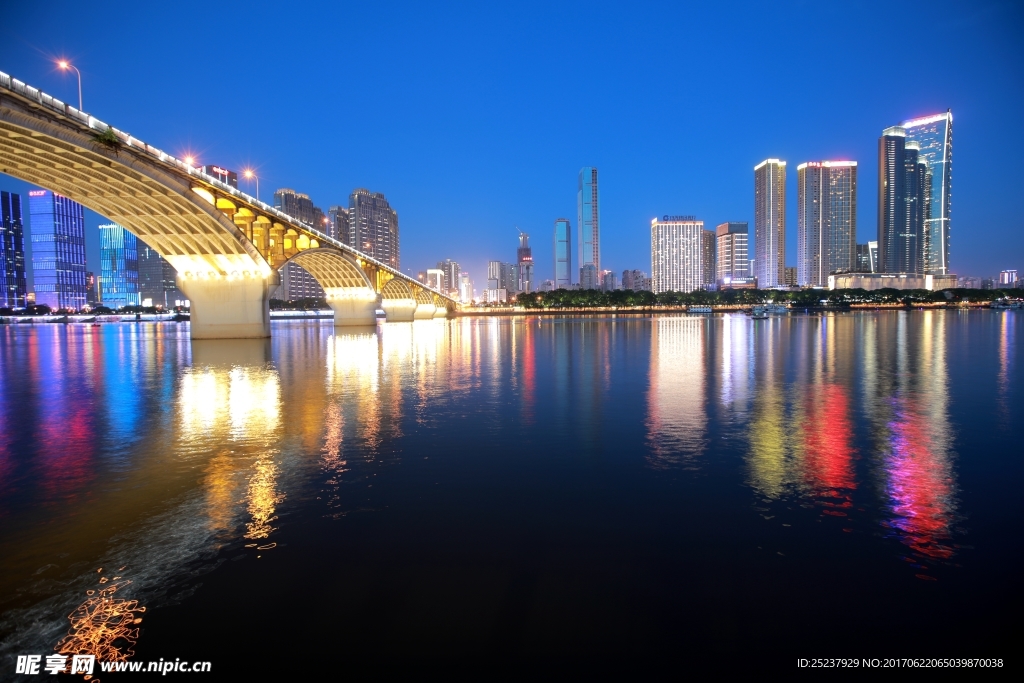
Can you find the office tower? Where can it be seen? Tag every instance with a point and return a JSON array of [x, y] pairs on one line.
[[91, 297], [732, 257], [636, 280], [373, 226], [563, 254], [338, 223], [465, 288], [502, 275], [589, 277], [222, 174], [13, 286], [790, 278], [435, 279], [862, 262], [295, 204], [609, 281], [588, 217], [770, 222], [524, 260], [873, 255], [676, 258], [934, 138], [903, 197], [119, 267], [1008, 277], [451, 272], [826, 225], [707, 254], [58, 250], [157, 280]]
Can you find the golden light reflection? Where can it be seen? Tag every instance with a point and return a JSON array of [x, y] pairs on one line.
[[676, 412], [262, 498], [103, 625]]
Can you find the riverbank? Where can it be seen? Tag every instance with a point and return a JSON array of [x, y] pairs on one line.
[[473, 311]]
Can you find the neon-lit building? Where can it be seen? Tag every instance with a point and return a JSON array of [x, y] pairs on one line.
[[770, 223], [119, 267], [524, 261], [677, 259], [563, 254], [826, 232], [58, 250], [934, 138], [588, 216], [903, 183], [13, 287]]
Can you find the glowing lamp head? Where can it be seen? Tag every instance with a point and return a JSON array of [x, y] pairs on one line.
[[190, 160], [62, 64], [248, 173]]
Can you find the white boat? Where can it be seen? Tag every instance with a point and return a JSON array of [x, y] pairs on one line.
[[759, 313]]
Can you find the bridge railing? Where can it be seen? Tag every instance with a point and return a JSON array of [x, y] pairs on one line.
[[10, 83]]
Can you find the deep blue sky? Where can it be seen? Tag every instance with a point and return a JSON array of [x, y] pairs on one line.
[[475, 118]]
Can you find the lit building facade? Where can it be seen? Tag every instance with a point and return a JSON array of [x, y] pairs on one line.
[[563, 254], [524, 261], [157, 280], [826, 213], [609, 281], [373, 226], [435, 279], [676, 258], [903, 185], [1008, 277], [770, 223], [590, 278], [119, 267], [588, 215], [732, 258], [934, 138], [297, 283], [636, 280], [13, 286], [337, 217], [58, 250], [451, 272], [707, 253], [295, 204]]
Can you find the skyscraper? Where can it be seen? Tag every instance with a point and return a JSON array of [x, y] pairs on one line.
[[588, 220], [338, 223], [13, 286], [119, 267], [770, 222], [590, 278], [157, 280], [707, 253], [296, 282], [826, 220], [862, 263], [676, 258], [636, 280], [563, 253], [451, 272], [903, 184], [732, 258], [373, 226], [58, 250], [296, 205], [524, 260], [934, 138]]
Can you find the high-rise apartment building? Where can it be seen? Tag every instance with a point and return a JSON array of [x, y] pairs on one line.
[[451, 271], [1008, 277], [337, 223], [465, 288], [58, 250], [826, 220], [501, 275], [732, 258], [373, 226], [934, 138], [588, 216], [297, 283], [119, 267], [770, 222], [590, 278], [157, 280], [296, 205], [609, 281], [862, 261], [563, 254], [903, 184], [707, 254], [524, 261], [434, 279], [636, 280], [789, 279], [676, 258], [13, 286]]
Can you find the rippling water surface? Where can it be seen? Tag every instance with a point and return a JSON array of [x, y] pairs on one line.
[[804, 486]]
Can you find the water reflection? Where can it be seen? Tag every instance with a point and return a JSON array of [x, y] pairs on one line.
[[676, 411]]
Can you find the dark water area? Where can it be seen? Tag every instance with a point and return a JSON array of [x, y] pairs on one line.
[[566, 489]]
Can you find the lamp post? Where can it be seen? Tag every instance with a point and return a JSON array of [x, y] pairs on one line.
[[249, 175], [65, 65]]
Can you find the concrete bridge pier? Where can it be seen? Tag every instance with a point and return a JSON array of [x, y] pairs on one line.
[[441, 312], [399, 310], [227, 307], [424, 311], [353, 307]]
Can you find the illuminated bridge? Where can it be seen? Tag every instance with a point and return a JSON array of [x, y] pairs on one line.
[[226, 246]]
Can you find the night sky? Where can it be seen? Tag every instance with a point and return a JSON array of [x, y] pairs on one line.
[[476, 118]]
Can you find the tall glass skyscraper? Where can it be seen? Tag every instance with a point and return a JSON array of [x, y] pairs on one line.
[[119, 267], [588, 217], [770, 223], [903, 184], [826, 232], [157, 280], [13, 287], [58, 250], [934, 138], [563, 254]]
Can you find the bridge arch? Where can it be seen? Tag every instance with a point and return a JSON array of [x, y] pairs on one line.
[[347, 288]]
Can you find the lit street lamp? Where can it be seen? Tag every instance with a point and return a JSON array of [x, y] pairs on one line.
[[65, 65], [249, 175]]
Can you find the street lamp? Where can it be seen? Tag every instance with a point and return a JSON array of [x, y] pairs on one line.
[[65, 65], [249, 175]]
